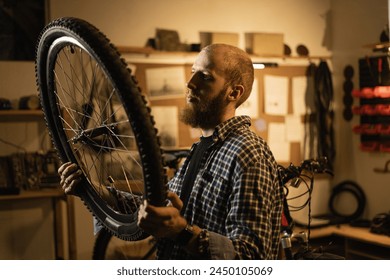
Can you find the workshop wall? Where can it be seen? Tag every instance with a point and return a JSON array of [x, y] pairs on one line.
[[327, 27]]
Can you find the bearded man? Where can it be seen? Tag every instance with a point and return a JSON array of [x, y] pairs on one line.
[[226, 201]]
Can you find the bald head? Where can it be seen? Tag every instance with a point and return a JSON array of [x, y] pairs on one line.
[[235, 65]]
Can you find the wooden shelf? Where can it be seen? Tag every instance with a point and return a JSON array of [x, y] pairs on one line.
[[147, 51], [150, 51], [42, 193], [362, 234], [21, 115], [356, 249], [358, 243]]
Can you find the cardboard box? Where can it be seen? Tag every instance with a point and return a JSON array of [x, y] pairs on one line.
[[207, 38], [264, 44]]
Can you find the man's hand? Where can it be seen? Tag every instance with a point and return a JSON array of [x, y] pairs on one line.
[[163, 221], [70, 177]]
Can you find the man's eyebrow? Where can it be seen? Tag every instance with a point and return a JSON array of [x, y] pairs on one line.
[[204, 70]]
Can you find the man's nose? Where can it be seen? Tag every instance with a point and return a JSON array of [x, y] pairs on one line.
[[193, 82], [191, 85]]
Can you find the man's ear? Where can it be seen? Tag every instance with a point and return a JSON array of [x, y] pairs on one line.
[[236, 93]]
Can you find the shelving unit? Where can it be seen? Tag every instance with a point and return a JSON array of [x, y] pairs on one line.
[[354, 242], [374, 113], [64, 231], [57, 196], [286, 67]]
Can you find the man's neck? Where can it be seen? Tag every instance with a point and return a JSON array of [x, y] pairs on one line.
[[207, 132], [230, 113]]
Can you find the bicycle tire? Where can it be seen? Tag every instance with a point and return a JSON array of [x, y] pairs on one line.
[[85, 88], [101, 243]]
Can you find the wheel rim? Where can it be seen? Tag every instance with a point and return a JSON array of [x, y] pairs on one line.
[[92, 119]]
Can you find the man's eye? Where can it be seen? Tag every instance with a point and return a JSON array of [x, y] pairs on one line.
[[202, 75], [207, 77]]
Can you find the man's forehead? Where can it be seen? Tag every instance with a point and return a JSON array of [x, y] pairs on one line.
[[207, 62]]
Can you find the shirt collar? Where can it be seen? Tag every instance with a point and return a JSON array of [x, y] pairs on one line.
[[227, 127]]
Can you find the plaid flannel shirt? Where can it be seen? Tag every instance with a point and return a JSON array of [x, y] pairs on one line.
[[237, 196]]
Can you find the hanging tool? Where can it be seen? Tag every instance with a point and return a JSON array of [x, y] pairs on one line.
[[386, 169]]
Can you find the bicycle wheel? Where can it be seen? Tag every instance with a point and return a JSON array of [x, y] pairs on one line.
[[98, 118]]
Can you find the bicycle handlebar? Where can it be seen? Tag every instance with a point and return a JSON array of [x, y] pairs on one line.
[[311, 165]]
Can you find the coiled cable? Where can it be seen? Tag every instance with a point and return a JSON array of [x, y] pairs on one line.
[[354, 189]]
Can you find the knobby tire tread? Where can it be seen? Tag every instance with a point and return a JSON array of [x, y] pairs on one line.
[[98, 45]]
